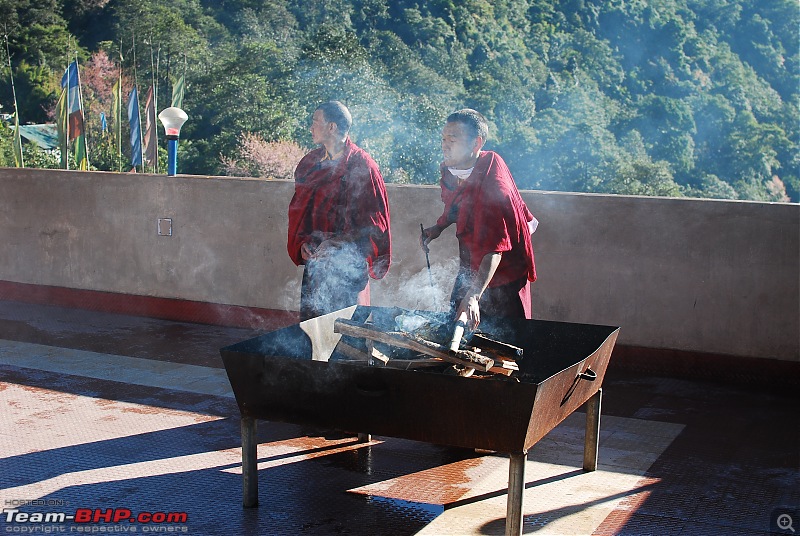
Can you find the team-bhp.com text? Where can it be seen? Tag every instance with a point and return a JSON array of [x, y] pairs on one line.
[[94, 520]]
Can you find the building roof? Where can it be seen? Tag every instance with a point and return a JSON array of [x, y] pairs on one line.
[[44, 135]]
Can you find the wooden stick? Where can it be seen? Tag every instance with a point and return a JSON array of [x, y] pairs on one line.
[[487, 343], [499, 360], [458, 332], [411, 364], [464, 372], [376, 354], [501, 370], [351, 352], [365, 331]]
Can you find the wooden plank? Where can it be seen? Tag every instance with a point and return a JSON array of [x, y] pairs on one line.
[[359, 362], [492, 345], [412, 364], [351, 352], [501, 370], [366, 331], [466, 355]]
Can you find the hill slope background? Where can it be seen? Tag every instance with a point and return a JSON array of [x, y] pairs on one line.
[[661, 97]]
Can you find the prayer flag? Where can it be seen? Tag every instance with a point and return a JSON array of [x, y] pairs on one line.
[[136, 128], [70, 82], [115, 98], [81, 156], [17, 142], [177, 92], [116, 113], [150, 130], [62, 123]]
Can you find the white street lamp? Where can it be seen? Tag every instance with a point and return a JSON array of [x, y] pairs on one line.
[[173, 119]]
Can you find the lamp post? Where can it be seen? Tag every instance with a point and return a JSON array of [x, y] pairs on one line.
[[173, 119]]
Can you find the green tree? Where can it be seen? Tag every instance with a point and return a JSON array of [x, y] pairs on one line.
[[6, 145], [248, 93], [669, 97], [753, 158], [40, 46]]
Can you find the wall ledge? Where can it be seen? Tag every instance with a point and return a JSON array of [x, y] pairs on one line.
[[175, 309]]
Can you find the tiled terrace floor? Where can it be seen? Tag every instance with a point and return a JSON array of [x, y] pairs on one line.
[[102, 411]]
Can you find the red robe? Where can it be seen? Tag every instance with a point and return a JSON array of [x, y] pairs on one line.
[[490, 216], [342, 199]]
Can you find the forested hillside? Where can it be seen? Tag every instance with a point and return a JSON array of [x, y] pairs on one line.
[[660, 97]]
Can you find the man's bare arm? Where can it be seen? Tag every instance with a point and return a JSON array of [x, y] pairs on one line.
[[469, 304]]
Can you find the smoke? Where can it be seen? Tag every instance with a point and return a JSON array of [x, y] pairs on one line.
[[406, 285], [401, 131], [401, 135], [416, 288], [333, 278], [290, 297]]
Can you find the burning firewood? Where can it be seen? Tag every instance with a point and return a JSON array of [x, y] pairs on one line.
[[502, 371], [458, 370], [499, 360], [458, 332], [439, 330], [376, 353], [464, 358], [493, 347], [352, 353]]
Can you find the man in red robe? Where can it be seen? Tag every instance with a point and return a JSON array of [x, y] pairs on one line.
[[493, 225], [338, 218]]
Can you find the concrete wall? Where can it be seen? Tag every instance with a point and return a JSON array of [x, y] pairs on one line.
[[695, 275]]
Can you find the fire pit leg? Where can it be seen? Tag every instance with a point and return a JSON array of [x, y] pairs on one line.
[[592, 441], [516, 488], [249, 463]]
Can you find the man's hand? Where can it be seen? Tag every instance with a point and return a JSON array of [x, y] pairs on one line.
[[306, 251], [427, 235], [470, 306], [325, 248]]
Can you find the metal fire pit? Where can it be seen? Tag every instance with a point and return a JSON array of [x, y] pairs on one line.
[[292, 375]]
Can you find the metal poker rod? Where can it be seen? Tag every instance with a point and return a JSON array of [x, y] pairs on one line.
[[427, 259]]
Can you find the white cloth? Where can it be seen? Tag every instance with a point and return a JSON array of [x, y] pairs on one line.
[[461, 174], [533, 224]]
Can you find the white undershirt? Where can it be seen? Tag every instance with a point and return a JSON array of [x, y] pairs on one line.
[[461, 174]]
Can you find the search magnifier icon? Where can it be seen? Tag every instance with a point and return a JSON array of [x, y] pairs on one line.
[[785, 522]]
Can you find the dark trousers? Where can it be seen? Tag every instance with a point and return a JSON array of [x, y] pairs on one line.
[[333, 282]]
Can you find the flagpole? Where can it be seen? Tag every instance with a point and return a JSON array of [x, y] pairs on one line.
[[65, 91], [153, 85], [155, 110], [153, 79], [138, 113], [183, 88], [83, 117], [118, 119], [18, 160]]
